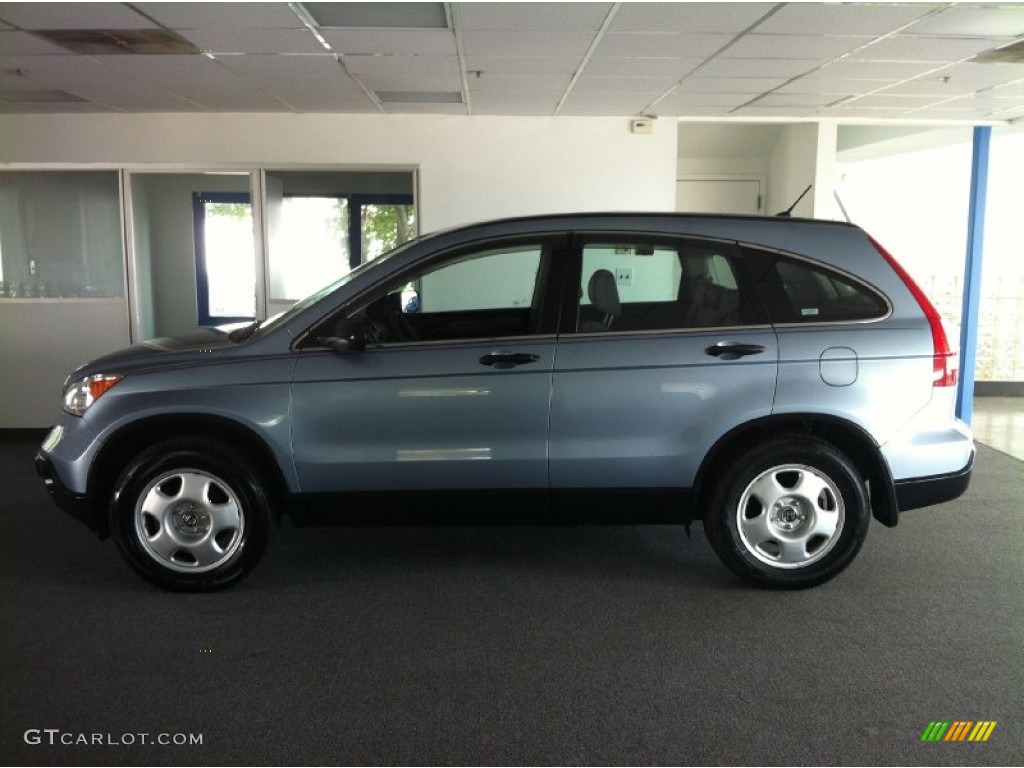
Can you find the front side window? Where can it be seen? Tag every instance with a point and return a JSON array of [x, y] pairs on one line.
[[479, 295], [643, 287]]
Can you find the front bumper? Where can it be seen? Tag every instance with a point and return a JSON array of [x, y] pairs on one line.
[[917, 492], [79, 506]]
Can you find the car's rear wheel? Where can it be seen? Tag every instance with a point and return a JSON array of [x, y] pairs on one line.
[[789, 514], [191, 515]]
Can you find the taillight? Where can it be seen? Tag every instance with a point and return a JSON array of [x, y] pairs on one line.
[[944, 368]]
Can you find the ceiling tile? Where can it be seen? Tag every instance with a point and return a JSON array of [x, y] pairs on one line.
[[514, 103], [426, 109], [409, 82], [886, 100], [254, 40], [24, 44], [302, 81], [640, 67], [756, 111], [729, 84], [688, 17], [983, 74], [404, 66], [795, 100], [608, 103], [508, 65], [833, 86], [656, 85], [73, 16], [850, 18], [938, 49], [795, 46], [712, 99], [757, 67], [12, 108], [432, 42], [486, 43], [222, 15], [661, 44], [979, 20], [510, 84], [548, 17], [850, 69]]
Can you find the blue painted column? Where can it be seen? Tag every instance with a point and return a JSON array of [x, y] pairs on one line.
[[971, 311]]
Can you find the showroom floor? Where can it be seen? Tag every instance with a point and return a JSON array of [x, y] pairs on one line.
[[517, 646]]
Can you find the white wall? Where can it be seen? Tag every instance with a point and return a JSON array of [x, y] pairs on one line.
[[804, 154], [470, 168]]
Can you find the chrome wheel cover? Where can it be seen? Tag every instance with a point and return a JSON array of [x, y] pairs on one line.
[[790, 516], [189, 521]]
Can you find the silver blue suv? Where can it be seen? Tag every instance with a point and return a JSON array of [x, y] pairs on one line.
[[781, 380]]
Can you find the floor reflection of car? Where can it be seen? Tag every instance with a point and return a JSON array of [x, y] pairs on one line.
[[781, 380]]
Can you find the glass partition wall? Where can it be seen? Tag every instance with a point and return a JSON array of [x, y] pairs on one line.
[[211, 248]]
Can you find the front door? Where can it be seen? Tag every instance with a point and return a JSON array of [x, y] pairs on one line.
[[449, 401]]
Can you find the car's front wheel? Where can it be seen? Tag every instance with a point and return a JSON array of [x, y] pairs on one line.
[[191, 515], [790, 513]]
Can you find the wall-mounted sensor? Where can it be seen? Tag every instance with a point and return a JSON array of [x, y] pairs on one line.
[[642, 125]]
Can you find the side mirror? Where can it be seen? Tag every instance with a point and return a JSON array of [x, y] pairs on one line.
[[351, 339]]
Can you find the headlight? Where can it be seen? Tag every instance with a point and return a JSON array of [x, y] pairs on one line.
[[82, 394]]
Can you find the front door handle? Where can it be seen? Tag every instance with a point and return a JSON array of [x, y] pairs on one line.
[[508, 359], [732, 350]]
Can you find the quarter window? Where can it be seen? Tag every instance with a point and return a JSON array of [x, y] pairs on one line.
[[798, 292], [643, 287]]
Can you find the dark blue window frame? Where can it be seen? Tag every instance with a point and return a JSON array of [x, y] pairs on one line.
[[199, 200]]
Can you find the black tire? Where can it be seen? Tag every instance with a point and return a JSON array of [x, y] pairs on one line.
[[191, 514], [790, 513]]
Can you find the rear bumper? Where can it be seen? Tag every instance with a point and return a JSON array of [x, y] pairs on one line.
[[917, 492], [79, 506]]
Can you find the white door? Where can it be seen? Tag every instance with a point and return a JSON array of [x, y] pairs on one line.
[[741, 196]]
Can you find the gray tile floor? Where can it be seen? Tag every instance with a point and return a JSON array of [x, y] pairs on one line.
[[999, 423]]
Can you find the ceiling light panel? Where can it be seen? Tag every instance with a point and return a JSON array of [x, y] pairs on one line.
[[549, 17], [72, 16], [404, 15], [423, 42], [688, 17], [222, 15], [847, 18]]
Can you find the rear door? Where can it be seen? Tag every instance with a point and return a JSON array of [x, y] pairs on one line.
[[656, 361]]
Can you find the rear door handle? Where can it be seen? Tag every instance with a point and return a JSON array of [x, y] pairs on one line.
[[508, 359], [732, 350]]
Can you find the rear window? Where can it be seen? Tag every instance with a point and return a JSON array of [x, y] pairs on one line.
[[796, 291]]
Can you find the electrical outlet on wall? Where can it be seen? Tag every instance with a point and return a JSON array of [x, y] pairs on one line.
[[623, 276]]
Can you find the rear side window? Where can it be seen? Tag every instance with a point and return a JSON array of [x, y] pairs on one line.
[[796, 291], [627, 287]]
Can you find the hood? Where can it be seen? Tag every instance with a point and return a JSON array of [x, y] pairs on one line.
[[199, 347]]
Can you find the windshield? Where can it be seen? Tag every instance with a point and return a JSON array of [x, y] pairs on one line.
[[261, 327]]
